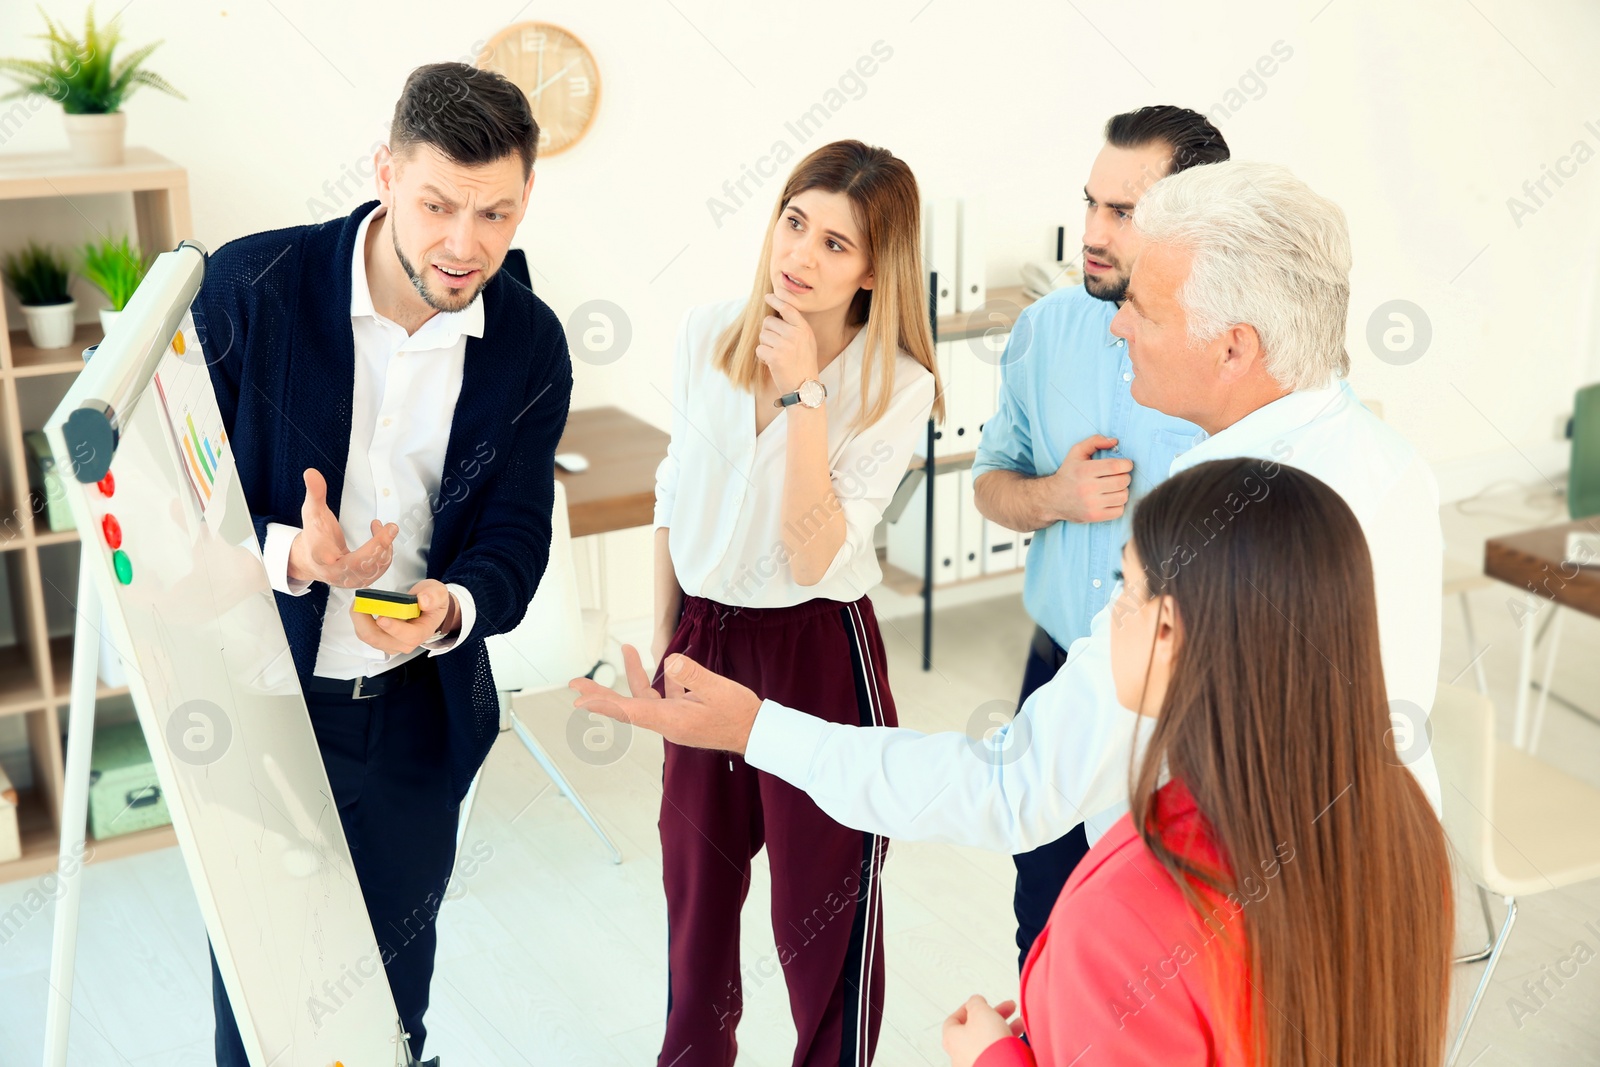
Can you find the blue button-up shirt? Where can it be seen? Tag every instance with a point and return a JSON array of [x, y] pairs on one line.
[[1065, 377]]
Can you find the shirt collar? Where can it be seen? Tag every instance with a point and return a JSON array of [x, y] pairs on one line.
[[441, 331], [1279, 420], [851, 352]]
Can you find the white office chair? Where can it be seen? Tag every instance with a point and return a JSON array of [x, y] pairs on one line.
[[1459, 580], [1517, 825], [557, 640]]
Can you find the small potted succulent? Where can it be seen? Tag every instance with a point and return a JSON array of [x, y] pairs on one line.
[[39, 277], [115, 268], [81, 76]]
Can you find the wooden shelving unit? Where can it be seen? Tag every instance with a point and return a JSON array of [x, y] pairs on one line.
[[35, 672], [905, 583], [952, 327]]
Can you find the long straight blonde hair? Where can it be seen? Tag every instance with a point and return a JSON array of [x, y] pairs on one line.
[[883, 194]]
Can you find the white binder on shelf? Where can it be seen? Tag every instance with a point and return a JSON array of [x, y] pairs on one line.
[[972, 292], [1022, 549], [964, 399], [905, 539], [941, 235], [989, 395], [1000, 548], [969, 562]]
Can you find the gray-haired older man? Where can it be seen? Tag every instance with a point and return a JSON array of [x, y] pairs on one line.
[[1235, 321]]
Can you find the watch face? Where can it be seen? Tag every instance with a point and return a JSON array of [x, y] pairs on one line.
[[811, 393]]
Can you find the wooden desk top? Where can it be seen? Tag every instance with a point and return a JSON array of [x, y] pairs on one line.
[[618, 491], [1531, 560]]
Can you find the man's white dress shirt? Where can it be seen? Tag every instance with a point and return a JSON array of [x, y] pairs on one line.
[[402, 408], [1064, 759], [720, 488]]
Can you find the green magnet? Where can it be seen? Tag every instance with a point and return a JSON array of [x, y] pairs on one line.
[[123, 566]]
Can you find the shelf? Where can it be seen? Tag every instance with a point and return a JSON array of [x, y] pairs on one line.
[[28, 361], [908, 584], [953, 462], [61, 673], [51, 537], [41, 842], [20, 691], [35, 673], [967, 324], [29, 175]]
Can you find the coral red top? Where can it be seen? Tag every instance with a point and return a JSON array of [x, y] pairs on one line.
[[1125, 971]]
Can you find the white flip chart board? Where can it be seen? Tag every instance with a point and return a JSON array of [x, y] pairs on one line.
[[186, 596]]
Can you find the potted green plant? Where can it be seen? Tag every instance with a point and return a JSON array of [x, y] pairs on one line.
[[115, 268], [81, 76], [39, 277]]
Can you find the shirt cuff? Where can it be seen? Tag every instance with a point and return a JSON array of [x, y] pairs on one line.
[[1007, 1052], [469, 615], [276, 556], [784, 742]]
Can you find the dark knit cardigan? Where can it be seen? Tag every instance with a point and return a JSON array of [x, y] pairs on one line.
[[273, 317]]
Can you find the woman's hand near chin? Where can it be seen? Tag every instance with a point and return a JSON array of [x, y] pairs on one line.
[[787, 345]]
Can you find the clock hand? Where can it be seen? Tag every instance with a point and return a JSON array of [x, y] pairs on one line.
[[546, 83]]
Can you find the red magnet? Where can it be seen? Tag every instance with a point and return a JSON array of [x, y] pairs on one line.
[[113, 531], [107, 485]]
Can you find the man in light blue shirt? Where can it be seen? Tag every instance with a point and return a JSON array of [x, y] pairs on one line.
[[1069, 448]]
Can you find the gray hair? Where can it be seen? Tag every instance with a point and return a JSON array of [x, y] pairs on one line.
[[1267, 252]]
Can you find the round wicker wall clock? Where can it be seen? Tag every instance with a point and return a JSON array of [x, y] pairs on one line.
[[556, 71]]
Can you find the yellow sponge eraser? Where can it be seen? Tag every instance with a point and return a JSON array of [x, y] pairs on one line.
[[383, 602]]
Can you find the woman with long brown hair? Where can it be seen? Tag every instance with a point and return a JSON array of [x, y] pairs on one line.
[[796, 412], [1284, 897]]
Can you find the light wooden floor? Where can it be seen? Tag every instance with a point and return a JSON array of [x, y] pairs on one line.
[[551, 955]]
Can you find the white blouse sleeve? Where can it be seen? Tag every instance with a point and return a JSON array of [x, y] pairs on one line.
[[668, 470], [871, 465]]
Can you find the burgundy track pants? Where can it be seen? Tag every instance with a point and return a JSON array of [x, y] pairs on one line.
[[824, 657]]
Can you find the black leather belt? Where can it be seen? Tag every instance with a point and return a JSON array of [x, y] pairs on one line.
[[373, 685], [1045, 647]]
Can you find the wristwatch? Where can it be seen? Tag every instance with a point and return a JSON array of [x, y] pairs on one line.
[[810, 394]]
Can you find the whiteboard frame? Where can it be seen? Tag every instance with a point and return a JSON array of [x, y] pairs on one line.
[[115, 382]]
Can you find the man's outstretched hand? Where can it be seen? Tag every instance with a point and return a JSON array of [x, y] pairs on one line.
[[319, 553], [701, 709]]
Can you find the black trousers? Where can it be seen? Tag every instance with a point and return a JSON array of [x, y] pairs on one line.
[[386, 762], [1042, 873]]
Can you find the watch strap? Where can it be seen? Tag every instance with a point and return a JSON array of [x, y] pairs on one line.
[[791, 398]]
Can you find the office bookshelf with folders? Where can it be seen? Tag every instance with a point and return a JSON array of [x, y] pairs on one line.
[[964, 547]]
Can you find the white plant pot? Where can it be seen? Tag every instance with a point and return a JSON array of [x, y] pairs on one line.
[[107, 317], [97, 140], [50, 325]]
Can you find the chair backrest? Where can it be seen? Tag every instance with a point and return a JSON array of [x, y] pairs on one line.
[[1583, 476], [546, 650], [516, 263], [1463, 748]]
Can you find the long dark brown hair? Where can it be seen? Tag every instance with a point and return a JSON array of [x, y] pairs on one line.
[[883, 195], [1277, 720]]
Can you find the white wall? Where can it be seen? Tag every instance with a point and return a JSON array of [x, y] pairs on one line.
[[1420, 119]]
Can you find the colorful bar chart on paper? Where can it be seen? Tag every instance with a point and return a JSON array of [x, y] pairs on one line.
[[185, 390]]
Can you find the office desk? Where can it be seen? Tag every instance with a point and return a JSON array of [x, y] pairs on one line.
[[618, 491], [1532, 561]]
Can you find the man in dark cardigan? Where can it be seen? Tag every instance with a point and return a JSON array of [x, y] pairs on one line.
[[386, 386]]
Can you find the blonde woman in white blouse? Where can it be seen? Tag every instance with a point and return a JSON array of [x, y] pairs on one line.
[[796, 412]]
